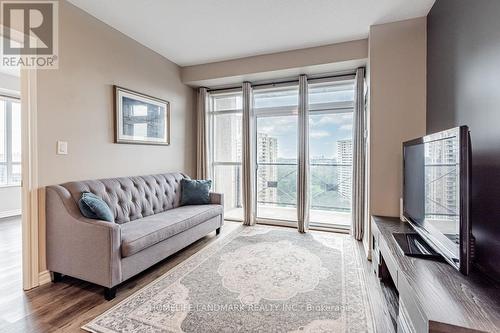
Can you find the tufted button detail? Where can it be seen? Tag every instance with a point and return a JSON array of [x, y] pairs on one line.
[[135, 197]]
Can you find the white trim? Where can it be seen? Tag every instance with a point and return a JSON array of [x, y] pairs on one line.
[[44, 277], [30, 179], [29, 165], [367, 247], [10, 213]]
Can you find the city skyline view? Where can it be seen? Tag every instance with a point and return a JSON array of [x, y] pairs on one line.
[[324, 131], [276, 138]]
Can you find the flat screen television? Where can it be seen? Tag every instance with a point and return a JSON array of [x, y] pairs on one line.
[[436, 193]]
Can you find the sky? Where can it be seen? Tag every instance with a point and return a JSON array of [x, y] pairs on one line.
[[324, 131]]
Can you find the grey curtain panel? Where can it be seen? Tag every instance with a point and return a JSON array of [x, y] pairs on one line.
[[303, 190], [358, 156], [202, 141], [248, 156]]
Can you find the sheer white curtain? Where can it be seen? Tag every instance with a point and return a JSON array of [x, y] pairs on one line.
[[303, 188], [248, 156], [358, 156], [202, 141]]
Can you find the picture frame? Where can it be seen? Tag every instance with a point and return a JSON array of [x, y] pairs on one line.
[[140, 118]]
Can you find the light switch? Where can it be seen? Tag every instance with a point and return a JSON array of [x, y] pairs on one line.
[[62, 148]]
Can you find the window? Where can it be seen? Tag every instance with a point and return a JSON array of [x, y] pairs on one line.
[[276, 141], [10, 142], [225, 119]]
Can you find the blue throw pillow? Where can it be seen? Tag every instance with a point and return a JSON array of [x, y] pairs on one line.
[[195, 192], [93, 207]]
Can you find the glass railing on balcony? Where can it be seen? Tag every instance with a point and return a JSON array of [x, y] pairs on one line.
[[330, 192], [277, 191], [277, 184], [331, 186]]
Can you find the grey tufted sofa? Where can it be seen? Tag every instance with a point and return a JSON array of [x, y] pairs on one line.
[[149, 226]]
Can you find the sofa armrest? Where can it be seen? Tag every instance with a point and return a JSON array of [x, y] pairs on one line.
[[80, 247], [216, 198]]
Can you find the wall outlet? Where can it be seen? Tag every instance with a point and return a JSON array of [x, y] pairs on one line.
[[62, 148]]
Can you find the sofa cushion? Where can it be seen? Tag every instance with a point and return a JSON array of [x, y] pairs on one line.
[[93, 207], [143, 233], [195, 192]]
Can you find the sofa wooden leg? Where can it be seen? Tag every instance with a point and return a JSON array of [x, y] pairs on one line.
[[109, 293], [56, 277], [217, 231]]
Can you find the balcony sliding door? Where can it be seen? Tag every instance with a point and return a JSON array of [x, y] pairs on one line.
[[330, 143], [277, 125]]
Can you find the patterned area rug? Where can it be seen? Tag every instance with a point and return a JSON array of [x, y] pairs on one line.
[[256, 279]]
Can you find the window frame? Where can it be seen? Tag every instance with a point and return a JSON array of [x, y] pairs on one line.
[[212, 114], [332, 107], [276, 111], [8, 140]]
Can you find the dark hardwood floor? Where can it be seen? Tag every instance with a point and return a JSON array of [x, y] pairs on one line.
[[67, 305]]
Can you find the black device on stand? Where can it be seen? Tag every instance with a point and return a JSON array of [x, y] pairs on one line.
[[436, 197], [413, 245]]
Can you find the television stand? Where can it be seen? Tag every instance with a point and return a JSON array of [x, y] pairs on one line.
[[429, 295], [413, 245]]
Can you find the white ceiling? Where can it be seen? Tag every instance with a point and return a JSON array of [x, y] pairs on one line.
[[192, 32]]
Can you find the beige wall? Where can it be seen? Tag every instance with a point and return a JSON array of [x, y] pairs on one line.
[[334, 57], [75, 104], [397, 105]]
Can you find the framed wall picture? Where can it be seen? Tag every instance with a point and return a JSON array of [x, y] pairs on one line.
[[141, 119]]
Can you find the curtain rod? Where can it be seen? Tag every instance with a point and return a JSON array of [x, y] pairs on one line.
[[285, 81]]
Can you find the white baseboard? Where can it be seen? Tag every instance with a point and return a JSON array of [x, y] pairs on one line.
[[10, 213], [368, 250], [44, 277]]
